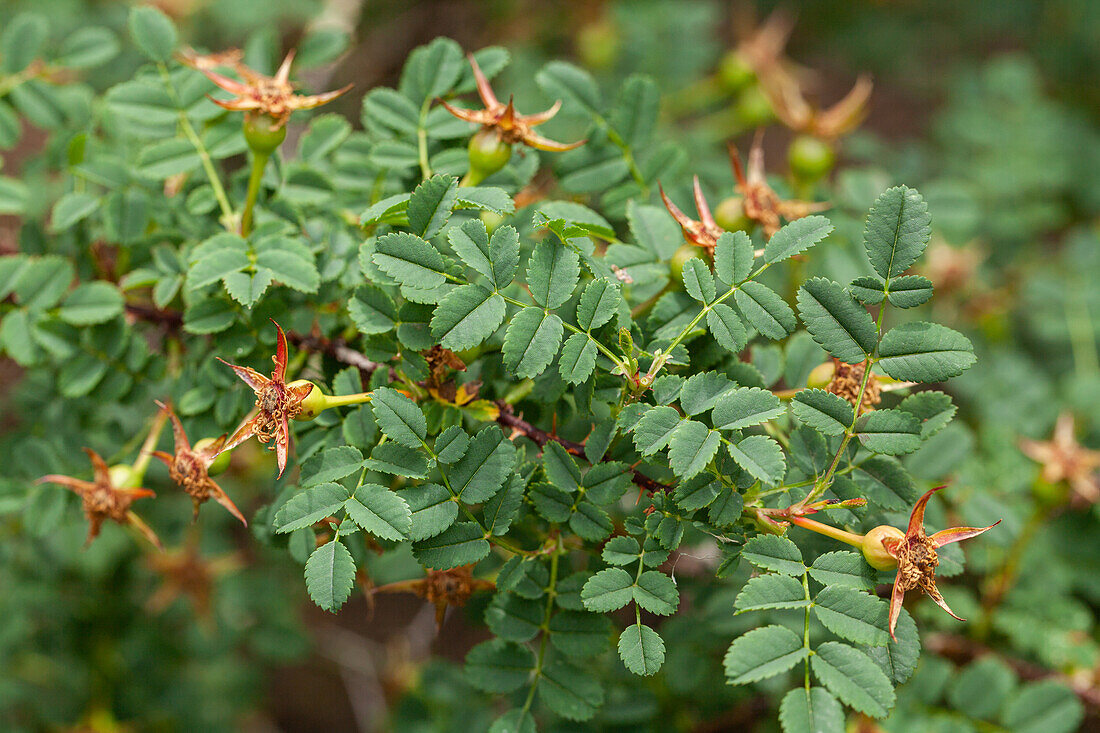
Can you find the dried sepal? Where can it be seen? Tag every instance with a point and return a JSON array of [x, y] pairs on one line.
[[103, 500], [503, 119]]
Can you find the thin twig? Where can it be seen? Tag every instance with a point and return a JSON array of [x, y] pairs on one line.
[[509, 420]]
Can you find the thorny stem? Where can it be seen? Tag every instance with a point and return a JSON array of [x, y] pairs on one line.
[[204, 155], [255, 178]]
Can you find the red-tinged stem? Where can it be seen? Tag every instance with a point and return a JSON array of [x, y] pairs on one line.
[[855, 540]]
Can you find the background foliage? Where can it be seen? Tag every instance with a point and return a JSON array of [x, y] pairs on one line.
[[990, 115]]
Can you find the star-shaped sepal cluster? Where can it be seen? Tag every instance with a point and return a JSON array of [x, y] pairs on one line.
[[702, 232], [276, 404], [760, 202], [256, 93], [442, 588], [1064, 459], [190, 467], [504, 121], [107, 496], [915, 553]]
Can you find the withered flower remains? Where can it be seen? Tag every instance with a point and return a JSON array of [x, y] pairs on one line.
[[276, 404], [441, 588], [503, 119], [704, 232], [761, 203], [258, 94], [104, 500], [916, 556], [190, 467]]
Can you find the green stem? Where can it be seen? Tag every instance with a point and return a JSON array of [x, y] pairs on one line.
[[422, 140], [348, 399], [138, 468], [259, 163], [551, 593], [806, 629], [196, 142]]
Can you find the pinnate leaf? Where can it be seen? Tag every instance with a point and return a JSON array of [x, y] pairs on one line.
[[763, 653]]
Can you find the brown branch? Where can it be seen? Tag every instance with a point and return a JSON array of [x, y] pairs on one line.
[[509, 420], [170, 319], [336, 348], [962, 650]]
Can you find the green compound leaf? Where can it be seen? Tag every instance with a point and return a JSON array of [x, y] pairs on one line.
[[811, 711], [621, 550], [656, 593], [765, 310], [531, 341], [655, 428], [763, 653], [409, 260], [467, 316], [461, 544], [570, 691], [925, 352], [761, 456], [552, 273], [698, 282], [91, 303], [771, 552], [432, 510], [570, 84], [153, 33], [578, 358], [642, 650], [701, 392], [1047, 706], [372, 310], [909, 291], [854, 615], [309, 507], [579, 634], [513, 617], [330, 574], [887, 483], [430, 205], [898, 229], [823, 411], [851, 675], [499, 666], [745, 407], [772, 590], [933, 409], [484, 467], [692, 447], [726, 328], [380, 511], [843, 568], [733, 257], [892, 432], [599, 302], [898, 659], [399, 417], [608, 590], [796, 237], [332, 464], [836, 320]]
